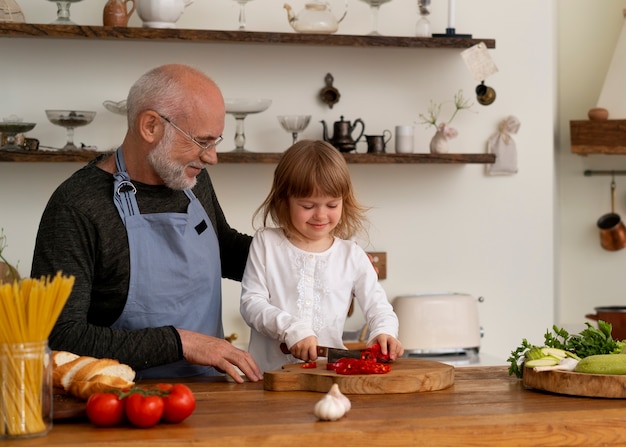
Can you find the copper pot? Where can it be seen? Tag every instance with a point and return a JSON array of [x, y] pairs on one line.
[[612, 230], [616, 315]]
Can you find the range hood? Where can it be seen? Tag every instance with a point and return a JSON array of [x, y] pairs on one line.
[[606, 136]]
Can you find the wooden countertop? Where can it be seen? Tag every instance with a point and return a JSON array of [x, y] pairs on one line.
[[485, 407]]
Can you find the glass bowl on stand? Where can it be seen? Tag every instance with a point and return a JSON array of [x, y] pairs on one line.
[[294, 124], [70, 119], [117, 107], [240, 108], [63, 12], [10, 129], [242, 14]]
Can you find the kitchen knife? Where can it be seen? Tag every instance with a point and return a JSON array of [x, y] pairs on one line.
[[332, 354]]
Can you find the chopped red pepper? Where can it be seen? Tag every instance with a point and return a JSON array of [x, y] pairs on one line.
[[371, 362], [374, 353], [309, 365]]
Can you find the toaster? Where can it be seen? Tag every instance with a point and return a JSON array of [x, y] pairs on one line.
[[438, 323]]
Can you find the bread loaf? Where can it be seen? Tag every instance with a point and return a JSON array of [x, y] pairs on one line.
[[82, 376]]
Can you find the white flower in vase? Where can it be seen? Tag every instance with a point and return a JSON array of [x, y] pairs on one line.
[[445, 132]]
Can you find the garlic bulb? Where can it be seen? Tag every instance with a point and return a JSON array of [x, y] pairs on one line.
[[329, 408], [334, 391], [332, 406]]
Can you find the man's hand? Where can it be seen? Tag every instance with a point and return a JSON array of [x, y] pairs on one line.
[[211, 351]]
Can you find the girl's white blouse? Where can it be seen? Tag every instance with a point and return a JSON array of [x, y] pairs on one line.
[[289, 294]]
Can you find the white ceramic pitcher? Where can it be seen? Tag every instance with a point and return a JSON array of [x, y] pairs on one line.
[[161, 13]]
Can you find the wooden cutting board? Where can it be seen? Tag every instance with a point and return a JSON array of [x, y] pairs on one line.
[[66, 406], [406, 376], [576, 384]]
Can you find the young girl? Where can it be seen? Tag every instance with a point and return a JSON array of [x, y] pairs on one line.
[[302, 272]]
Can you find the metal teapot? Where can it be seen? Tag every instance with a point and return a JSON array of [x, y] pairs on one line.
[[316, 17], [342, 137]]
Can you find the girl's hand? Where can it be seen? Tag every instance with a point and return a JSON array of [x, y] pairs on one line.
[[388, 345], [305, 349]]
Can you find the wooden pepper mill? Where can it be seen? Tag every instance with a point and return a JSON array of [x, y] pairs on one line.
[[116, 12]]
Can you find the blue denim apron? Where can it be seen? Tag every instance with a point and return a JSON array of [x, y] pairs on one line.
[[175, 272]]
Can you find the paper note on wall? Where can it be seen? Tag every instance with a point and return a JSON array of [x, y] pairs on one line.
[[479, 62]]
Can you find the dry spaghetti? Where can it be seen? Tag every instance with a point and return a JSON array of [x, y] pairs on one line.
[[28, 311]]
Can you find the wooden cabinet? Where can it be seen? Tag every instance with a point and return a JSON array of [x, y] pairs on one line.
[[50, 31]]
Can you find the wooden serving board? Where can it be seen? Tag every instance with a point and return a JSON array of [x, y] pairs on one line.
[[406, 376], [66, 406], [576, 384]]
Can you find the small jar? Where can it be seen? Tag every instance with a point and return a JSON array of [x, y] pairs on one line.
[[25, 390]]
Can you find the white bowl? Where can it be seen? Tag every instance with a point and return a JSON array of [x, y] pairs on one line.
[[244, 105], [117, 107]]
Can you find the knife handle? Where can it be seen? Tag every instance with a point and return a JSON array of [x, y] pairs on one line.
[[322, 351]]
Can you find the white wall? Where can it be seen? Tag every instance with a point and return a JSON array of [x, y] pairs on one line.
[[588, 276], [445, 228]]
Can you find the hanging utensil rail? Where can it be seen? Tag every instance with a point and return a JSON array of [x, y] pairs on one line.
[[589, 173]]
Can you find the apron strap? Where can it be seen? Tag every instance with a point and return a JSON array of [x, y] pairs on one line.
[[123, 189]]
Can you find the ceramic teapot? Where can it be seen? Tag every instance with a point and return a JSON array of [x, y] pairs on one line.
[[342, 137], [161, 13], [316, 17]]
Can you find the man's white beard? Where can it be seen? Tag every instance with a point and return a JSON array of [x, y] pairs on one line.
[[172, 173]]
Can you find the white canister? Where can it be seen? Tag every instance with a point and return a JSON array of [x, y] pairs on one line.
[[405, 136], [438, 322]]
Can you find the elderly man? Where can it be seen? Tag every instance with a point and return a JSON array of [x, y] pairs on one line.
[[144, 235]]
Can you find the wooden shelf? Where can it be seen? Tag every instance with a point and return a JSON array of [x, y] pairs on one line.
[[198, 35], [598, 137], [31, 30], [259, 157]]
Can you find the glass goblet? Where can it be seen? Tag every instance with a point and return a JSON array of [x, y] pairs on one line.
[[294, 124], [242, 13], [63, 12], [375, 7]]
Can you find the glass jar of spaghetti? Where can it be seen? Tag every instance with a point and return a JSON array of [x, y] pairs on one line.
[[25, 389]]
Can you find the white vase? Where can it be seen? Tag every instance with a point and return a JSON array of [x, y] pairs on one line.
[[439, 143]]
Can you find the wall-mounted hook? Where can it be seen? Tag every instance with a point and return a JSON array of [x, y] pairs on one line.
[[485, 95], [329, 94]]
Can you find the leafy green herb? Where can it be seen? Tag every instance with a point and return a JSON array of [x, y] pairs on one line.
[[590, 341]]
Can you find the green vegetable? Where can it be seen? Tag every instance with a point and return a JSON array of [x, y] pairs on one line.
[[590, 341], [546, 361], [602, 364]]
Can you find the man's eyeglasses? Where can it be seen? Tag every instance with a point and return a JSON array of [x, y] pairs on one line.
[[203, 147]]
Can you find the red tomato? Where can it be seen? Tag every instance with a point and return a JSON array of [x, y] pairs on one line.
[[179, 403], [144, 410], [105, 409]]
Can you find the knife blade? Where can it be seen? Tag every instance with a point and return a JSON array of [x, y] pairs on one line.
[[332, 354]]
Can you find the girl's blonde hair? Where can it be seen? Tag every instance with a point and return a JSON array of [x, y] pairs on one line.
[[308, 168]]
